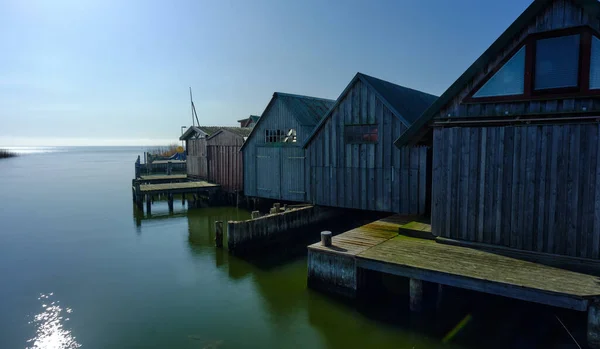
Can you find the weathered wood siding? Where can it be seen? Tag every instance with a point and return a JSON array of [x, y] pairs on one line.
[[225, 163], [531, 187], [559, 14], [197, 165], [275, 170], [377, 177]]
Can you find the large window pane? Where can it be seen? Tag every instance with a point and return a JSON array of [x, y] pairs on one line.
[[595, 63], [507, 81], [557, 62]]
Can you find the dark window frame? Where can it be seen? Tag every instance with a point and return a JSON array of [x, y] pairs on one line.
[[583, 79], [361, 141]]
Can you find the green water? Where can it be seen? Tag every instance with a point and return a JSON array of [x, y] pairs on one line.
[[79, 267]]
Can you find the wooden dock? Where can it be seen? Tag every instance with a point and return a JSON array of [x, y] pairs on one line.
[[378, 246], [174, 186], [157, 179]]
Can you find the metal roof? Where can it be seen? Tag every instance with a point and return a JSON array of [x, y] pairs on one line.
[[419, 127], [406, 103], [207, 131], [238, 131]]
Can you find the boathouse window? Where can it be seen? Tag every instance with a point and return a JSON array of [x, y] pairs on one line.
[[557, 62], [509, 80], [357, 134], [595, 64], [290, 137], [274, 136]]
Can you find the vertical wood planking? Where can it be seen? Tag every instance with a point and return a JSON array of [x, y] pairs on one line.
[[437, 183], [500, 195], [483, 175], [584, 189], [473, 183], [422, 179], [573, 190], [514, 216], [529, 186], [464, 182], [542, 150], [553, 189], [596, 225]]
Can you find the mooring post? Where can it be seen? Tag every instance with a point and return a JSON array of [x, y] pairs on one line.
[[170, 198], [255, 214], [416, 295], [285, 207], [183, 199], [138, 196], [273, 210], [219, 234], [326, 238], [277, 207], [169, 168], [148, 203]]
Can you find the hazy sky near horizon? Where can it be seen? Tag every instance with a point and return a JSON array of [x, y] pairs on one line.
[[100, 72]]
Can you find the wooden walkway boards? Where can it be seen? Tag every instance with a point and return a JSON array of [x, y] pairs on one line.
[[177, 188], [377, 246], [163, 177]]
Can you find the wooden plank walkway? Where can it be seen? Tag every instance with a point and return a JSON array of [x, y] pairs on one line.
[[177, 188], [151, 178], [377, 246]]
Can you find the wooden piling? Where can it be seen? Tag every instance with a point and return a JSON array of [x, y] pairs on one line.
[[255, 214], [183, 199], [277, 207], [416, 295], [326, 238], [593, 326], [219, 234], [170, 201], [169, 168], [273, 210], [148, 204]]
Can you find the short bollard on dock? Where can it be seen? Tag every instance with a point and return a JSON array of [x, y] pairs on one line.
[[273, 210], [277, 207], [326, 238], [219, 234], [255, 214]]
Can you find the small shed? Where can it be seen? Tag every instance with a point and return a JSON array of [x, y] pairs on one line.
[[516, 139], [195, 138], [249, 122], [352, 159], [225, 163], [274, 161]]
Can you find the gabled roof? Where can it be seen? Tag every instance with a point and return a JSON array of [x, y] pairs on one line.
[[406, 103], [416, 130], [308, 111], [207, 131], [254, 118], [238, 131]]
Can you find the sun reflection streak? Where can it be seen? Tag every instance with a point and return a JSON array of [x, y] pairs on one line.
[[50, 333]]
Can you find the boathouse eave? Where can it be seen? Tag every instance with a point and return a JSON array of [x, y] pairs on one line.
[[420, 127]]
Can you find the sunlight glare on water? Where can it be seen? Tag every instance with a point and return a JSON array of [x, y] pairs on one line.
[[50, 333]]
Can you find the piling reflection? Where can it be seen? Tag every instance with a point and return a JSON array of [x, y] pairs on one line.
[[49, 323]]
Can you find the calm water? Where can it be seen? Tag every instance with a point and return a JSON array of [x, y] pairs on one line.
[[78, 269]]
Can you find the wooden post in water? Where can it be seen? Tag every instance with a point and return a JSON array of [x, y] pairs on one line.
[[326, 238], [273, 210], [255, 214], [277, 207], [170, 198], [148, 203], [138, 196], [219, 234], [416, 295], [169, 168], [183, 199]]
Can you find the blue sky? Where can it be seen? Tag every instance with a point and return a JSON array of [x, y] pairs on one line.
[[117, 72]]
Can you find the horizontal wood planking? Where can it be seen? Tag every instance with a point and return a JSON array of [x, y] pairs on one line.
[[533, 189]]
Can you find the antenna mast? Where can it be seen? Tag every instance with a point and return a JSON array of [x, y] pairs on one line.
[[194, 114]]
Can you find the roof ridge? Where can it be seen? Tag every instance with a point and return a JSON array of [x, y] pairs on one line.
[[301, 96], [393, 83]]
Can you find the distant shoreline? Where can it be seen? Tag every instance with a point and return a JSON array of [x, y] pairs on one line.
[[4, 154]]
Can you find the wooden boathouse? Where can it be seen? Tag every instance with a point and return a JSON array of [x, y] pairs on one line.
[[196, 145], [352, 160], [515, 196], [249, 122], [274, 160], [224, 158]]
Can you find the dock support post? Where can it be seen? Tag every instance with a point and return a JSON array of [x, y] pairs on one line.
[[593, 325], [416, 295], [277, 207], [139, 197], [183, 199], [170, 203], [273, 210], [219, 234], [326, 238], [255, 214], [148, 203], [169, 168]]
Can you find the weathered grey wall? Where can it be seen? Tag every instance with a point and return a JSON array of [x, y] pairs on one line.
[[225, 163], [559, 14], [274, 170], [531, 187], [246, 234], [333, 273], [197, 166], [378, 177]]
